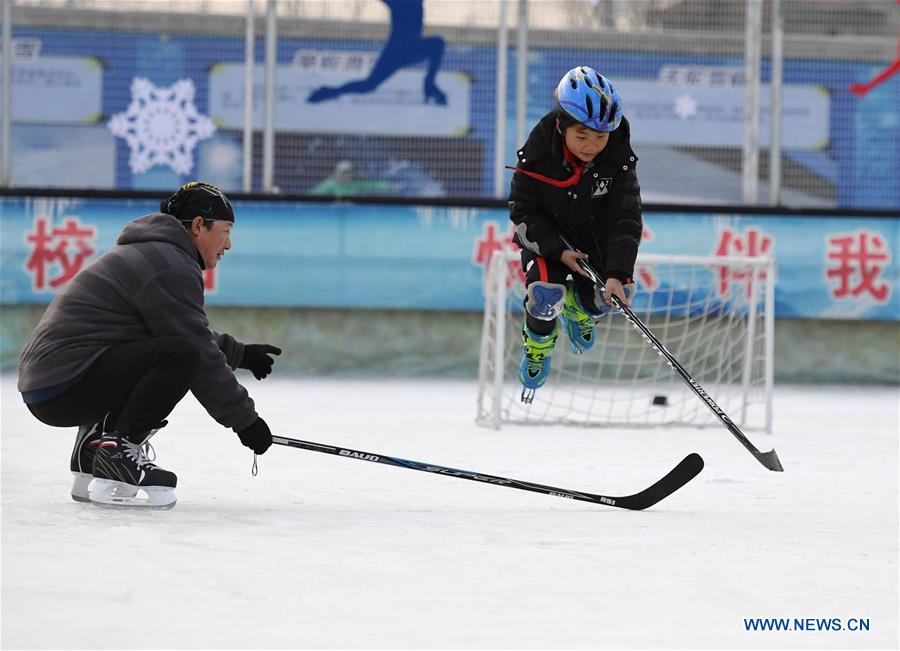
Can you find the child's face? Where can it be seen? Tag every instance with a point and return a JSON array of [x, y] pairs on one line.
[[585, 143]]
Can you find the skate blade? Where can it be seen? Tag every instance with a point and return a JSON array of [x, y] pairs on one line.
[[109, 493], [528, 395], [80, 485]]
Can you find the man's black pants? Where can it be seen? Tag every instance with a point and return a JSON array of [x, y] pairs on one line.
[[141, 382]]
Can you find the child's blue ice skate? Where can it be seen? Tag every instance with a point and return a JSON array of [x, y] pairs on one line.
[[535, 366], [577, 322]]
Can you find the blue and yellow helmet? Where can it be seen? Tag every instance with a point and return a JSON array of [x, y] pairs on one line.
[[590, 98]]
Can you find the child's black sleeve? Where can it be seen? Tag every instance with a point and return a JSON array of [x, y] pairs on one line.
[[627, 225]]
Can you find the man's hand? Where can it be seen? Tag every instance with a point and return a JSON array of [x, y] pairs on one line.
[[257, 360], [570, 258], [257, 436]]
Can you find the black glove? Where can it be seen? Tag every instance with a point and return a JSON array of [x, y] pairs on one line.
[[256, 359], [257, 436]]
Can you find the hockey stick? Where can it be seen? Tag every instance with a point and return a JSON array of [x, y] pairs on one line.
[[681, 474], [768, 459]]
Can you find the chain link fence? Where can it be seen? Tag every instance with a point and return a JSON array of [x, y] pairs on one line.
[[399, 97]]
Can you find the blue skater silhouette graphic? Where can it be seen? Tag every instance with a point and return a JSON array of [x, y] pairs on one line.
[[404, 47]]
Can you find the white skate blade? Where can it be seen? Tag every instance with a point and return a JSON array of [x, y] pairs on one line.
[[80, 485], [106, 492]]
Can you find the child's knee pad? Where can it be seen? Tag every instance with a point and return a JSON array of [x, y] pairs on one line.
[[544, 301]]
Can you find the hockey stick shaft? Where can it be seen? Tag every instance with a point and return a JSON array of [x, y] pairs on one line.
[[767, 459], [686, 470]]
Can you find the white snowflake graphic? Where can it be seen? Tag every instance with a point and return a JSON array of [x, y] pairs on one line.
[[161, 126], [685, 107]]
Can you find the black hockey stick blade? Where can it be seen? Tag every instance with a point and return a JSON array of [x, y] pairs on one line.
[[770, 460], [687, 469]]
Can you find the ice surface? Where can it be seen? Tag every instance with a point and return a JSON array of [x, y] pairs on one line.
[[325, 552]]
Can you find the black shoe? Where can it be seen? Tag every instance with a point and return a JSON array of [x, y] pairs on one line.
[[82, 461], [121, 469]]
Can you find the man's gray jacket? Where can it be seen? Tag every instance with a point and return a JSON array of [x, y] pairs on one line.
[[149, 285]]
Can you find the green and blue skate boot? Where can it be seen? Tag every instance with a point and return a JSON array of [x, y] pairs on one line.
[[577, 322], [535, 366]]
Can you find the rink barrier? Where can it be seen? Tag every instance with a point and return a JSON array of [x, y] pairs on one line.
[[411, 273]]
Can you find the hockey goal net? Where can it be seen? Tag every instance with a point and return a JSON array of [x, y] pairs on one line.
[[714, 314]]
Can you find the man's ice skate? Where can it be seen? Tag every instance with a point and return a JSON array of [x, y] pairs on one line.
[[82, 461], [535, 366], [577, 322], [121, 471]]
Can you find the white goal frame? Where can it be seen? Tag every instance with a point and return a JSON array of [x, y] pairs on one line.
[[743, 388]]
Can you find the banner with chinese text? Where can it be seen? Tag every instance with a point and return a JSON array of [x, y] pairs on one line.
[[400, 95], [296, 254], [151, 111]]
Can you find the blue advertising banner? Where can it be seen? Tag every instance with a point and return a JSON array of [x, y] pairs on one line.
[[296, 254], [157, 110]]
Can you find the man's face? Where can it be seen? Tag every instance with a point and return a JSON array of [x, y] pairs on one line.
[[211, 242], [585, 143]]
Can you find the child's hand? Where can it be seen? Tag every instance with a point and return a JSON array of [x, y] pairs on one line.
[[614, 286], [570, 258]]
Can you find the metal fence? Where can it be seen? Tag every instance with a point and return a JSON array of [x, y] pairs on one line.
[[432, 98]]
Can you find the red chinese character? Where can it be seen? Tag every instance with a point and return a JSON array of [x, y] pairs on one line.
[[755, 243], [56, 247], [515, 274], [860, 258], [488, 244], [643, 274], [209, 281]]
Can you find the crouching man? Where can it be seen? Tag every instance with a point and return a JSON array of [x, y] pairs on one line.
[[128, 337]]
